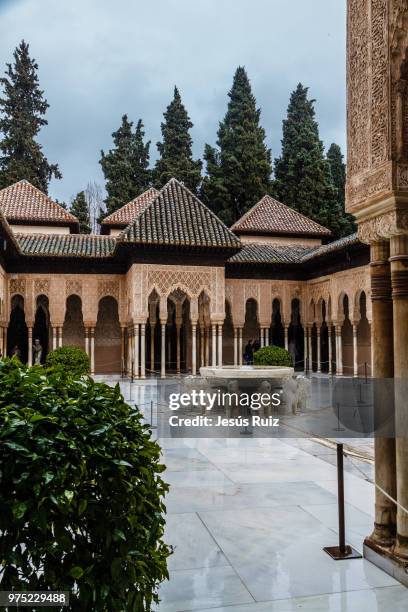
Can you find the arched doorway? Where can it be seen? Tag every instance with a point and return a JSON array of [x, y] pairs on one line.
[[108, 358], [73, 331], [41, 330], [296, 336], [17, 334], [277, 332]]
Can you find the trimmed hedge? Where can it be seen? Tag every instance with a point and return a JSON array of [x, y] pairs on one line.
[[72, 359], [273, 356], [81, 496]]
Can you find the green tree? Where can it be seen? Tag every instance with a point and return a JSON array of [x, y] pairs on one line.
[[79, 208], [22, 108], [338, 171], [239, 168], [303, 178], [176, 156], [126, 166]]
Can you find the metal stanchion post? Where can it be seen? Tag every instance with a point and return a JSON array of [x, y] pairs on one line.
[[342, 551]]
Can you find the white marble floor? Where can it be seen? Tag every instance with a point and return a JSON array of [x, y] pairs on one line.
[[248, 519]]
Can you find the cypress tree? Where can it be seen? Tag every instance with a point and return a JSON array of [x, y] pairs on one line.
[[79, 208], [239, 168], [22, 108], [126, 165], [176, 156], [338, 171], [303, 178]]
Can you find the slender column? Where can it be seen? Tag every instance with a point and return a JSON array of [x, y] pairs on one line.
[[202, 343], [130, 351], [86, 340], [30, 346], [220, 345], [399, 279], [262, 337], [152, 331], [178, 348], [214, 345], [286, 337], [136, 351], [207, 346], [143, 350], [305, 347], [310, 352], [329, 339], [319, 361], [240, 347], [60, 336], [339, 351], [193, 348], [5, 340], [235, 346], [122, 349], [92, 333], [163, 350], [355, 354], [267, 336], [54, 338], [382, 367]]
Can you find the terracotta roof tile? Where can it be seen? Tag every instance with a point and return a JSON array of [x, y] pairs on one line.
[[177, 217], [256, 253], [125, 215], [24, 202], [269, 216], [331, 247], [66, 245]]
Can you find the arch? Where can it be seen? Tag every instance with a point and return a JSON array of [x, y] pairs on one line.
[[312, 311], [42, 328], [73, 330], [363, 338], [108, 337], [228, 336], [17, 334], [347, 337], [251, 325]]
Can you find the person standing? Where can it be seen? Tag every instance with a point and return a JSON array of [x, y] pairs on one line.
[[249, 353]]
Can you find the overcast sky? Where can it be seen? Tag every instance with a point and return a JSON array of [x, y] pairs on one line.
[[99, 59]]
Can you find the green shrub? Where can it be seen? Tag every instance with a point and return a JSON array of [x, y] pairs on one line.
[[72, 359], [273, 356], [81, 496]]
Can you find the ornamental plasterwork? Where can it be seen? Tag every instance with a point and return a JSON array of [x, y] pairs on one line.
[[251, 291], [383, 227], [398, 32], [166, 280], [17, 285], [364, 186], [402, 177], [41, 286], [108, 288], [73, 287]]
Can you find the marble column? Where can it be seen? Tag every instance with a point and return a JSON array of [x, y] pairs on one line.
[[267, 336], [240, 347], [310, 353], [193, 348], [143, 350], [235, 346], [339, 351], [122, 349], [54, 339], [355, 351], [60, 336], [329, 340], [163, 350], [399, 279], [383, 367], [305, 347], [202, 344], [319, 351], [30, 346], [214, 345], [152, 356], [136, 351], [207, 346], [262, 337], [178, 349], [92, 335], [5, 340], [287, 337], [220, 344]]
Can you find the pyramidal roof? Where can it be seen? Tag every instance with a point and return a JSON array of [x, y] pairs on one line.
[[24, 203], [270, 216], [125, 215], [177, 217]]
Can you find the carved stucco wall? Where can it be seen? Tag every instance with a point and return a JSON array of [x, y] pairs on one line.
[[377, 122]]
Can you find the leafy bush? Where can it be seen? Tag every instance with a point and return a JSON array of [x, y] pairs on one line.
[[81, 497], [273, 356], [72, 359]]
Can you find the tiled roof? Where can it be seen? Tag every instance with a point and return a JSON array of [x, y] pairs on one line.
[[177, 217], [66, 245], [337, 245], [269, 216], [257, 253], [125, 215], [25, 203]]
